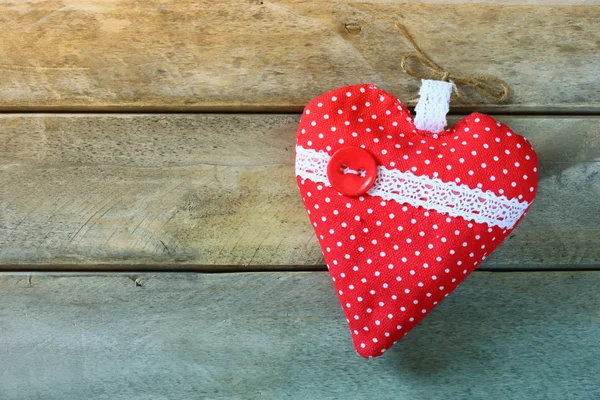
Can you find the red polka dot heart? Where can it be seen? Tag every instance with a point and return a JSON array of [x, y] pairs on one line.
[[402, 215]]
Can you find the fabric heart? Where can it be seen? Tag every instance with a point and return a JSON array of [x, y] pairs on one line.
[[437, 207]]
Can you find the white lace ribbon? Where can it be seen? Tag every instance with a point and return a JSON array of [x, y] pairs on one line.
[[423, 191]]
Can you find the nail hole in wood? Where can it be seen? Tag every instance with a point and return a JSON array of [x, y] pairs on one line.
[[353, 28]]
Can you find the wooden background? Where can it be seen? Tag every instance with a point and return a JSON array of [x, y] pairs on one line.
[[143, 140]]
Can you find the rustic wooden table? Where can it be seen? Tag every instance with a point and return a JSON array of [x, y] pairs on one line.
[[146, 143]]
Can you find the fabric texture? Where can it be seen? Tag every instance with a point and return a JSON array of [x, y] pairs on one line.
[[393, 259]]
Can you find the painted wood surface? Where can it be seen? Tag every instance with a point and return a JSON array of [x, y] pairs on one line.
[[278, 55], [208, 191], [283, 335]]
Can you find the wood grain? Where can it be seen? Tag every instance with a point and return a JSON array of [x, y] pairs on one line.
[[214, 192], [283, 335], [278, 55]]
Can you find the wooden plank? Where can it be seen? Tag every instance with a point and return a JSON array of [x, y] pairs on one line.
[[206, 191], [278, 55], [283, 335]]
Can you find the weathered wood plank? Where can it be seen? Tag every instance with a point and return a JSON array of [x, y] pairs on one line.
[[204, 191], [278, 55], [283, 335]]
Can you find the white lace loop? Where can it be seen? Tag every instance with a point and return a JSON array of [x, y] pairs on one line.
[[422, 191], [433, 105]]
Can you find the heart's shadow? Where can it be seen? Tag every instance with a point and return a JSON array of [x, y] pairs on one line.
[[499, 325]]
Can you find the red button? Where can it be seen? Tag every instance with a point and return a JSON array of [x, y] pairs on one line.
[[352, 171]]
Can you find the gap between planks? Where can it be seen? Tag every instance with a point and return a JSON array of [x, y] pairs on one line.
[[284, 110], [233, 269]]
